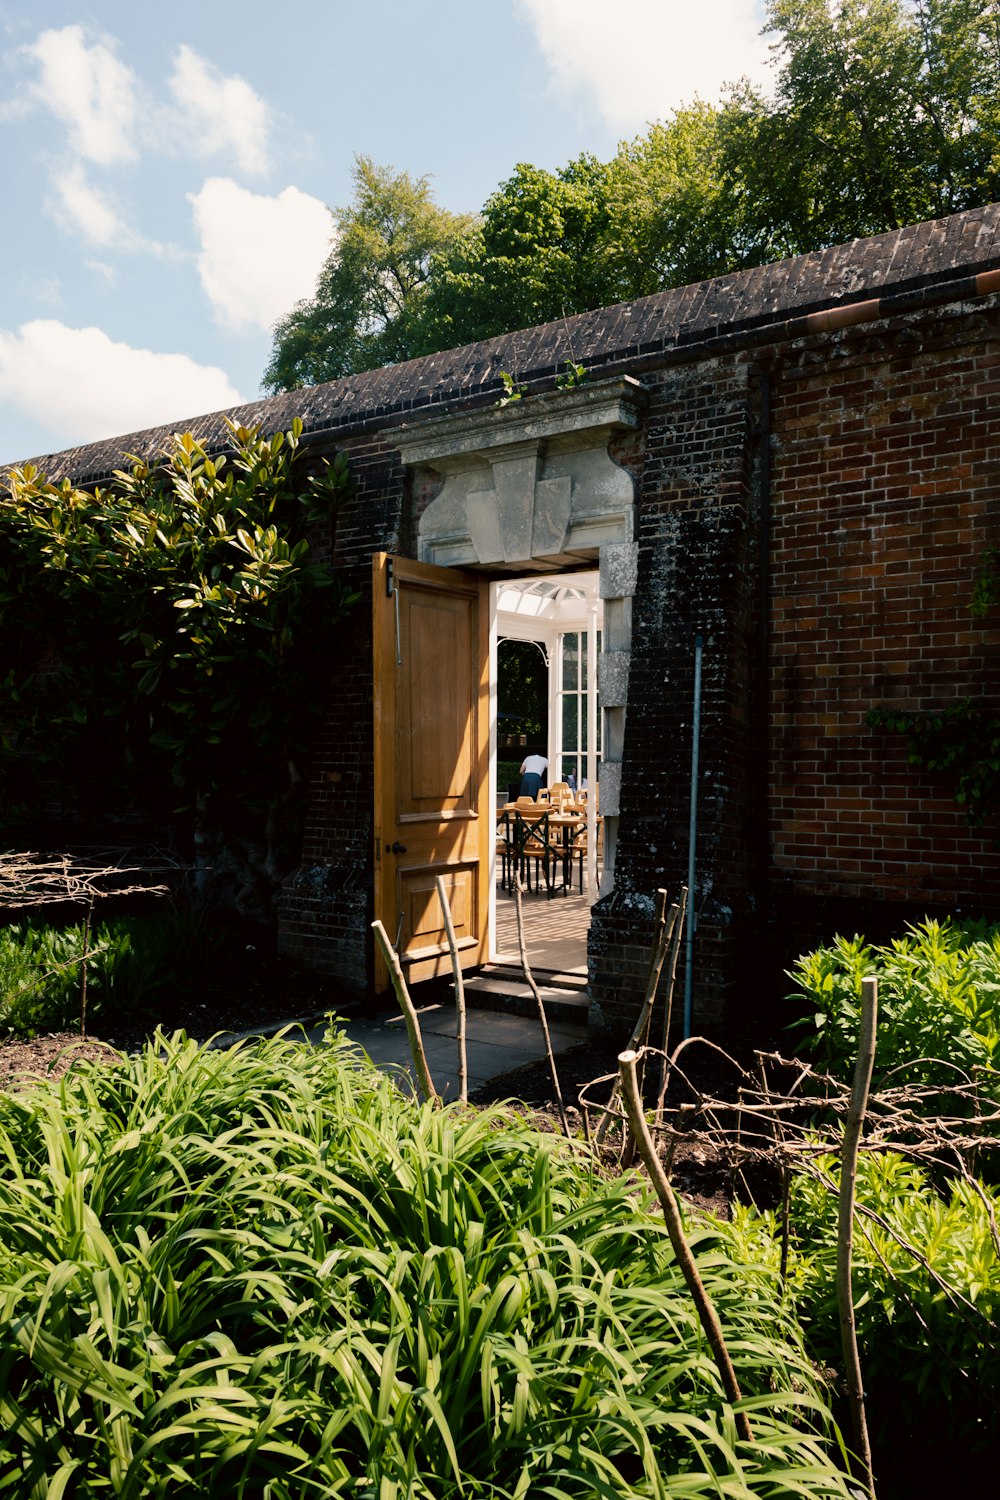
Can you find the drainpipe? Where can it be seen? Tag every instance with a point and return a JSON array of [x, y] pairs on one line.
[[764, 626], [692, 920]]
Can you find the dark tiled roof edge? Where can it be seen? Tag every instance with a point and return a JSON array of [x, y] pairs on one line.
[[742, 307]]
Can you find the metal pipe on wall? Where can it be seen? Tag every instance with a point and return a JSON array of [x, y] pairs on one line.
[[692, 919]]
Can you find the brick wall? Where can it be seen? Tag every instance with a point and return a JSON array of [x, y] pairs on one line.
[[697, 536], [327, 904], [882, 495], [884, 450], [885, 495]]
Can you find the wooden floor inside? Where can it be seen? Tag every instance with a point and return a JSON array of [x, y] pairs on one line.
[[555, 931]]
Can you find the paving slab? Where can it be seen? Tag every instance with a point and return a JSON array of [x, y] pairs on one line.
[[495, 1044]]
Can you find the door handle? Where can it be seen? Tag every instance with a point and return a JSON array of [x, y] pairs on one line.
[[396, 848]]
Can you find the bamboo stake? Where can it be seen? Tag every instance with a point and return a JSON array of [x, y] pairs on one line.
[[530, 981], [409, 1013], [663, 934], [682, 1250], [853, 1126], [83, 964], [668, 1004], [449, 927]]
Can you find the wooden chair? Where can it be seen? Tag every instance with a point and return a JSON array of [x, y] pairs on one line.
[[536, 851]]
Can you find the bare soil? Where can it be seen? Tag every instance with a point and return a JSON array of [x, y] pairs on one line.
[[264, 994]]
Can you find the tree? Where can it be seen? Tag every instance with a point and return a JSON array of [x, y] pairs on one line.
[[370, 291], [552, 244], [162, 639], [536, 254], [884, 113]]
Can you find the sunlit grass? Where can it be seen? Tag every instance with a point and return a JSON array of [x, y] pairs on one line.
[[263, 1272]]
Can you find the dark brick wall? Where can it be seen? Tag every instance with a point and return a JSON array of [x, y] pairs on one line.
[[327, 904], [697, 574]]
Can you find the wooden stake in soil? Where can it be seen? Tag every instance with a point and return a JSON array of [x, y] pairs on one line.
[[853, 1126], [675, 1228], [409, 1013], [449, 927], [529, 980], [663, 932], [87, 921], [668, 1003]]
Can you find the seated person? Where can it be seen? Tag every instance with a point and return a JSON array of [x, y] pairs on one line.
[[534, 769]]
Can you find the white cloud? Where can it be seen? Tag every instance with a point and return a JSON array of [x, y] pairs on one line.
[[82, 209], [259, 255], [105, 273], [219, 114], [90, 91], [86, 211], [82, 386], [640, 62]]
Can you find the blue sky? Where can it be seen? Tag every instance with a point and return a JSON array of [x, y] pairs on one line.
[[165, 168]]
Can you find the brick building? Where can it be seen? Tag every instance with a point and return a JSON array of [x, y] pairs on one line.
[[801, 463]]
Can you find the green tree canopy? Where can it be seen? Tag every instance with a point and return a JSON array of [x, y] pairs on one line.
[[883, 113], [371, 288]]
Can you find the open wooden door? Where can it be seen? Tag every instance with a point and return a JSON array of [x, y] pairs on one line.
[[432, 813]]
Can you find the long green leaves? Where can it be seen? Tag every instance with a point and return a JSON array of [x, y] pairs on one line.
[[263, 1272]]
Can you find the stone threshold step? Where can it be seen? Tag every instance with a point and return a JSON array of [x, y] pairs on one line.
[[515, 998], [551, 978]]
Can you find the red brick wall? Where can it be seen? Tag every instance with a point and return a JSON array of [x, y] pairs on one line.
[[885, 493], [885, 481]]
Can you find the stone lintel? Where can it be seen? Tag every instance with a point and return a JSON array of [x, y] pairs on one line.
[[613, 405]]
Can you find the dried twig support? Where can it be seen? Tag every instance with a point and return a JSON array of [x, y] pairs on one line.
[[675, 1228], [529, 980], [663, 934], [449, 927], [29, 880], [853, 1126], [409, 1012]]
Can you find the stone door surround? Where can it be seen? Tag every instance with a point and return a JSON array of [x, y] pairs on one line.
[[529, 484]]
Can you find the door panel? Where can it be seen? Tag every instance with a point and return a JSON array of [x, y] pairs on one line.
[[431, 698]]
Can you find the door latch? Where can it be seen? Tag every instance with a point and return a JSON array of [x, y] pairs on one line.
[[396, 848]]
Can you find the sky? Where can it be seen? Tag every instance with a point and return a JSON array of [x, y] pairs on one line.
[[166, 170]]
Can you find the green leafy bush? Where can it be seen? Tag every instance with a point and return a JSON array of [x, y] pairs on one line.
[[264, 1272], [134, 961], [939, 1000], [929, 1355]]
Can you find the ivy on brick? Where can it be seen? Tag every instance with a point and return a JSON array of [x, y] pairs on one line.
[[962, 740]]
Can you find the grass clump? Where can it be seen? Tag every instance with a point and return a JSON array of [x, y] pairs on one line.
[[133, 963], [263, 1272], [939, 1001]]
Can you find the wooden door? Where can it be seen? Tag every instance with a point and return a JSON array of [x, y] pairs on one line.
[[432, 814]]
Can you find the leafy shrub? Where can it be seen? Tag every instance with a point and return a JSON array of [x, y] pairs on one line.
[[924, 1353], [134, 961], [264, 1272], [939, 999]]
